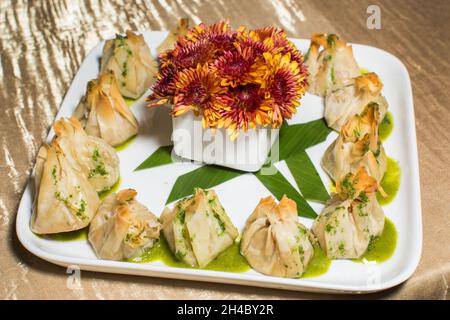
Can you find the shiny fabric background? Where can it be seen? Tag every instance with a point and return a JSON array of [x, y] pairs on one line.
[[42, 44]]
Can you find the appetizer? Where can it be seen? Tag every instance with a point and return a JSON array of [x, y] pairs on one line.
[[64, 198], [181, 29], [104, 113], [198, 229], [133, 66], [351, 218], [357, 145], [274, 242], [123, 228], [93, 157], [351, 97], [330, 66]]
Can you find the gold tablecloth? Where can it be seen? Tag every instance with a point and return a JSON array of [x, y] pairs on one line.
[[43, 43]]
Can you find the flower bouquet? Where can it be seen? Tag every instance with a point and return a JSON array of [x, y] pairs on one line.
[[230, 92]]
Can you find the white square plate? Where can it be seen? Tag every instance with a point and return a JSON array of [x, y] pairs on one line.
[[154, 185]]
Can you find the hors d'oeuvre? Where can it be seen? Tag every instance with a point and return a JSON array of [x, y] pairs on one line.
[[330, 63], [64, 198], [93, 157], [351, 218], [274, 242], [104, 113], [133, 66], [350, 98], [198, 229], [357, 145], [123, 228], [180, 30]]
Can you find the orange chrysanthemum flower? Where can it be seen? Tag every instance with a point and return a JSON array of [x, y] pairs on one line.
[[235, 79], [221, 35], [244, 109], [283, 83], [199, 90], [190, 54], [164, 89], [234, 67]]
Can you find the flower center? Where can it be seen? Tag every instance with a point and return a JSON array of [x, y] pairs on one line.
[[236, 68], [198, 93], [281, 89], [198, 53], [248, 97]]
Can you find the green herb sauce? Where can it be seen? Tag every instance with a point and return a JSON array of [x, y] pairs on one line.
[[390, 182], [106, 192], [318, 265], [125, 144], [129, 101], [386, 126], [76, 235], [230, 260], [364, 71], [332, 187], [381, 248]]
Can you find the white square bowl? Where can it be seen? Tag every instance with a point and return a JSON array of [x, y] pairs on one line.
[[239, 196], [248, 152]]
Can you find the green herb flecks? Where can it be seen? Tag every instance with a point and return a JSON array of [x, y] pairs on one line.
[[333, 78], [181, 215], [80, 209], [220, 223], [363, 197], [348, 186], [99, 169], [53, 174], [331, 40], [125, 69], [363, 200], [128, 237], [121, 40], [329, 228], [81, 212], [341, 248]]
